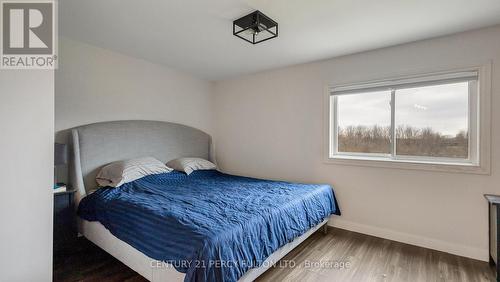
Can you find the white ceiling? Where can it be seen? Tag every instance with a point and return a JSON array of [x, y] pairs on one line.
[[195, 36]]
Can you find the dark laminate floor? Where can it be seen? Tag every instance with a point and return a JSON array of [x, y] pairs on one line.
[[338, 256]]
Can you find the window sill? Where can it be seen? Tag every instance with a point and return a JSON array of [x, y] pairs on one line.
[[407, 164]]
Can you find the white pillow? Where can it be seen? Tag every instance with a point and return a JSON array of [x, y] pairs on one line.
[[121, 172], [189, 165]]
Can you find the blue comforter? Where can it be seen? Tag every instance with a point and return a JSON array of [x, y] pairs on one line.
[[210, 225]]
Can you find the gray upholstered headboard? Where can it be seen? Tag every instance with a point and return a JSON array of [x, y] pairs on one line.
[[95, 145]]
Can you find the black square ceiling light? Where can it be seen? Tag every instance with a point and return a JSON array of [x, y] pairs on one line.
[[255, 28]]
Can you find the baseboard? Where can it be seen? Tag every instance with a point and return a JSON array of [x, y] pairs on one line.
[[459, 250]]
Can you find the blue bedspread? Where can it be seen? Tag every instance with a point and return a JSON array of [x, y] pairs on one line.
[[210, 225]]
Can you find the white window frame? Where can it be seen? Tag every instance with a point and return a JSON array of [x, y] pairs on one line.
[[479, 121]]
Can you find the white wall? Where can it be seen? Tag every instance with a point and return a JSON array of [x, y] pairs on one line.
[[26, 169], [270, 125], [95, 84]]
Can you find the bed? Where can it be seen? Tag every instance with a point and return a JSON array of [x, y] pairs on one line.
[[226, 227]]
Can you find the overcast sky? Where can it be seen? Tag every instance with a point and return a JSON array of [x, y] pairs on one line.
[[443, 108]]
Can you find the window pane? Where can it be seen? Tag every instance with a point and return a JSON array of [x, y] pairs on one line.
[[364, 122], [433, 121]]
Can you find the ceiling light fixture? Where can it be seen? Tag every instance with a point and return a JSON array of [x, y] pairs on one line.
[[255, 28]]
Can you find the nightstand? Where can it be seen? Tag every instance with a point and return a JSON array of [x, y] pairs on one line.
[[64, 221], [494, 230]]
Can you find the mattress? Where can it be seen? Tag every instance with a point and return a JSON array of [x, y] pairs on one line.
[[210, 225]]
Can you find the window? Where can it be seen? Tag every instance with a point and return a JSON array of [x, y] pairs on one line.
[[427, 119]]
